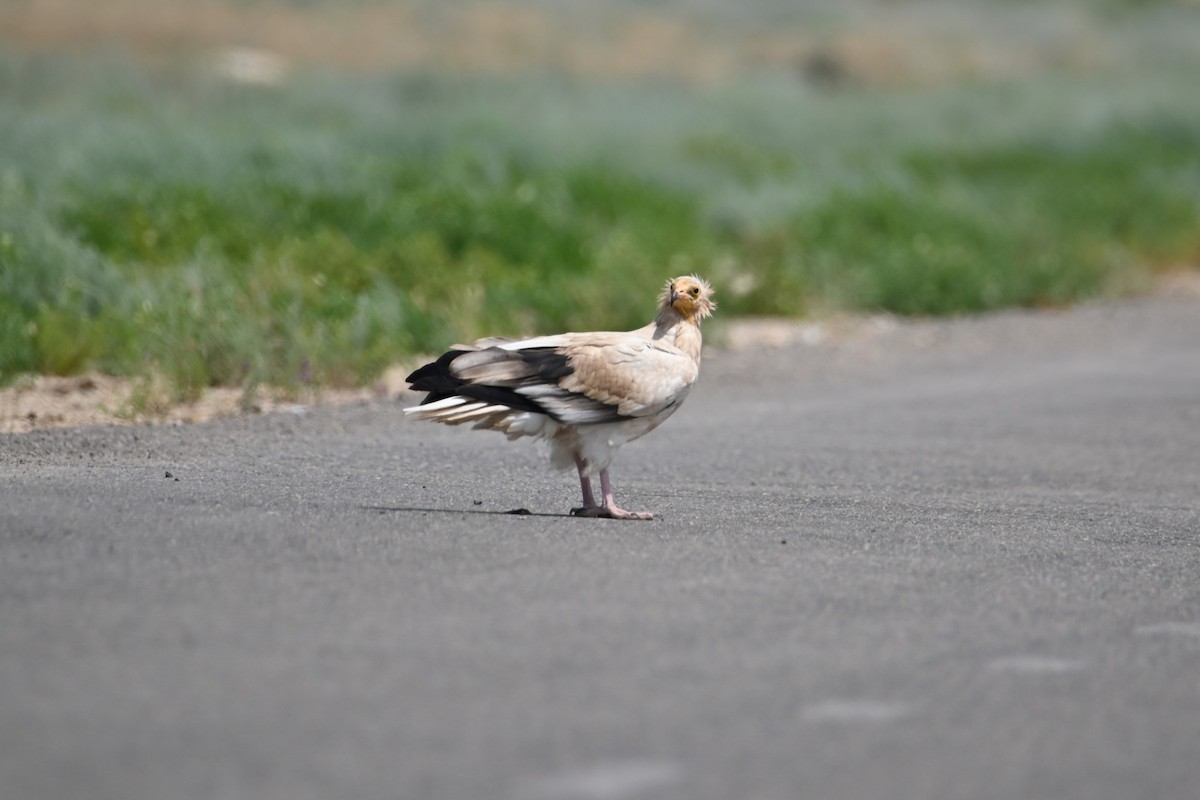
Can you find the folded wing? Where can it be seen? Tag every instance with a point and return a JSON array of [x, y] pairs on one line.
[[575, 379]]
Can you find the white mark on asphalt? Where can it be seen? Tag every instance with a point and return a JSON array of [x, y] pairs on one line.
[[1036, 665], [868, 711], [1169, 629], [615, 780]]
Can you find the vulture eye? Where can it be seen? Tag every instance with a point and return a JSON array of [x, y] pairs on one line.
[[695, 290]]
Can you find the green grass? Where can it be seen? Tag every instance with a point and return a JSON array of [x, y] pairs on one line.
[[163, 223]]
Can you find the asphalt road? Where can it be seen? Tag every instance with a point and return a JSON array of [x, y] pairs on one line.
[[940, 560]]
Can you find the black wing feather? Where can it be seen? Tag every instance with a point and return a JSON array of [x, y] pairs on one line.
[[435, 378], [548, 366]]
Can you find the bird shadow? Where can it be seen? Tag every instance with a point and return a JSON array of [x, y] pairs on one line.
[[516, 512]]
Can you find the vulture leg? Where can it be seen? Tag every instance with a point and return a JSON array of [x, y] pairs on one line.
[[609, 507], [585, 483]]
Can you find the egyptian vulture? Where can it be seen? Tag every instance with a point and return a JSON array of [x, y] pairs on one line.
[[585, 393]]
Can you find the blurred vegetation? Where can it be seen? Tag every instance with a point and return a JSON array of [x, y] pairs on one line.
[[164, 221]]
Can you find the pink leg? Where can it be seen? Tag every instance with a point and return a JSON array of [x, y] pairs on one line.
[[585, 483], [609, 507]]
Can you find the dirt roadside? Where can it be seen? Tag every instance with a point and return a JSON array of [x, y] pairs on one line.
[[48, 401]]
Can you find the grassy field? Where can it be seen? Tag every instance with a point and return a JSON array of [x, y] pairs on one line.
[[158, 218]]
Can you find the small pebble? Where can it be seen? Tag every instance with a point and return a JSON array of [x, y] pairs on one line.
[[168, 475]]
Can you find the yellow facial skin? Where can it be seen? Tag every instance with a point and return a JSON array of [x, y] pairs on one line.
[[690, 296]]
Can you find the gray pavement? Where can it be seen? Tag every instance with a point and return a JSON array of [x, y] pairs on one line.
[[954, 559]]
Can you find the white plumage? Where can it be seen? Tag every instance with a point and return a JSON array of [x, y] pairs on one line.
[[585, 393]]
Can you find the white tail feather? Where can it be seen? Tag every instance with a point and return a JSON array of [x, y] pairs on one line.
[[432, 409]]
